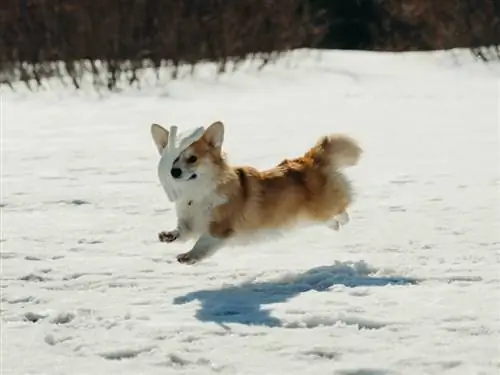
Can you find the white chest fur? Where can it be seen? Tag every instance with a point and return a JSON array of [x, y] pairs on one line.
[[194, 214]]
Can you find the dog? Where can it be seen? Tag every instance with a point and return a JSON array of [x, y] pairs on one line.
[[223, 204]]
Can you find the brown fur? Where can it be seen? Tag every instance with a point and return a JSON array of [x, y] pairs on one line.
[[309, 188]]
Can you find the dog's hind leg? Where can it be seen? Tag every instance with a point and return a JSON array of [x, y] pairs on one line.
[[336, 221], [342, 218], [205, 247]]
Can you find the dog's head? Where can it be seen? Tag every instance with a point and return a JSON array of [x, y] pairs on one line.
[[200, 162]]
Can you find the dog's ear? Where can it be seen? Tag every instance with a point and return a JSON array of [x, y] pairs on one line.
[[160, 136], [214, 134]]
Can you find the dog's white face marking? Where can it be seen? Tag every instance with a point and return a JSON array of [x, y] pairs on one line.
[[189, 168], [170, 147], [196, 163]]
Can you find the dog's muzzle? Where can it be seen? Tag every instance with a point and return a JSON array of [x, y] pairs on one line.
[[177, 174]]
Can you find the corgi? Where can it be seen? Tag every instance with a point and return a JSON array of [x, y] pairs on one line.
[[223, 204]]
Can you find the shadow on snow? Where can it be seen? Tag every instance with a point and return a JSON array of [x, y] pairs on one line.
[[244, 303]]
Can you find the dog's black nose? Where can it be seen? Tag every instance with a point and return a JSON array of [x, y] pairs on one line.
[[176, 172]]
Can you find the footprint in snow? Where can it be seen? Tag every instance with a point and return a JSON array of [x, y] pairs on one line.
[[364, 372], [32, 257], [60, 318], [34, 277], [119, 354]]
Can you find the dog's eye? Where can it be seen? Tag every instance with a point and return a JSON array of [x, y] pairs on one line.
[[192, 159]]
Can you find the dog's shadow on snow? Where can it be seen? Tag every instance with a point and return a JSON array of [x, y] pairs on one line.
[[245, 303]]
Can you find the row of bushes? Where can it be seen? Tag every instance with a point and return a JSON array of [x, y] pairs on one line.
[[112, 38], [120, 36]]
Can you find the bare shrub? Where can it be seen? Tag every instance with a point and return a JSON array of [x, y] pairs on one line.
[[125, 35]]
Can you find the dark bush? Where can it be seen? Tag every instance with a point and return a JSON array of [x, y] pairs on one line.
[[115, 39], [440, 25], [405, 25]]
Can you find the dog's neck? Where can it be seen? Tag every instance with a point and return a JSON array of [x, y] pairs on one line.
[[200, 193]]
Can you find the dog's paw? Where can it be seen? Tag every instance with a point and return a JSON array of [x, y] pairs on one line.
[[333, 224], [169, 236], [337, 221], [342, 218], [187, 258]]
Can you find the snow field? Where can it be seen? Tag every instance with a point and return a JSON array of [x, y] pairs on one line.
[[409, 286]]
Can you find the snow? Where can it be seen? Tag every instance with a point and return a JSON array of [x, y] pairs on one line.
[[409, 286]]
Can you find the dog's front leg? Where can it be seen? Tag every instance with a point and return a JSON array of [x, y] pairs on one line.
[[181, 233], [206, 246]]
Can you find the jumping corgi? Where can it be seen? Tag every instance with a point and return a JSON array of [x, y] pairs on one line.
[[223, 204]]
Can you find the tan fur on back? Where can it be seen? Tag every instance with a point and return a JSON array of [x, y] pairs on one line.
[[308, 188]]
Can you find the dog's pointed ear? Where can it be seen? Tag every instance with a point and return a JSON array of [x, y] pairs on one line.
[[214, 134], [160, 136]]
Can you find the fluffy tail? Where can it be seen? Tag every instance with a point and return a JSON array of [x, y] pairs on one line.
[[337, 150]]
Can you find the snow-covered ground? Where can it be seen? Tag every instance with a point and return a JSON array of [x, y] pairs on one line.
[[410, 286]]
